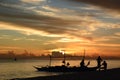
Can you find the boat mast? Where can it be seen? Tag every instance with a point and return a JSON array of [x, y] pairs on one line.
[[50, 60], [64, 59], [84, 54]]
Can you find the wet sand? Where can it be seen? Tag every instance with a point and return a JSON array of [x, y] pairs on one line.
[[111, 74]]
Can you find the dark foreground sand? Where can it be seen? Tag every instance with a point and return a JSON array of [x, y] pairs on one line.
[[111, 74]]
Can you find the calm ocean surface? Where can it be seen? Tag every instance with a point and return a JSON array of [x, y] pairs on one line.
[[24, 68]]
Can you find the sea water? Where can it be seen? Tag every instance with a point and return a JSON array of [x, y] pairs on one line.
[[24, 68]]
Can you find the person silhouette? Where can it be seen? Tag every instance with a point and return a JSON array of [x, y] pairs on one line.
[[82, 64], [99, 61], [104, 65], [68, 63]]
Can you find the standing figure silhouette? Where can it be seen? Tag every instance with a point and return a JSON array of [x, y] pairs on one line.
[[82, 63], [99, 62]]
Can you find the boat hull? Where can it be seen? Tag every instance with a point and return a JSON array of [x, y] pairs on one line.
[[65, 69]]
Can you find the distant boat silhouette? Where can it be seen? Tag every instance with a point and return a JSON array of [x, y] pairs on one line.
[[15, 59]]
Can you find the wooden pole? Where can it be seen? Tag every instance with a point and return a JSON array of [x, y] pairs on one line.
[[50, 61], [64, 59], [84, 54]]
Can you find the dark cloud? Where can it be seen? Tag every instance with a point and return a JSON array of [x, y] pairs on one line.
[[39, 22], [18, 14], [10, 1], [111, 4], [43, 23], [29, 19]]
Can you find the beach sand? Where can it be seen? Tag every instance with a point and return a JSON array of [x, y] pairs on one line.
[[111, 74]]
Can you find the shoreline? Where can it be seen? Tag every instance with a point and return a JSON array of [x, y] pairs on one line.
[[110, 74]]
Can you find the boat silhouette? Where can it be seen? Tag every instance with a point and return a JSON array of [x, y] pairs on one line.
[[66, 68]]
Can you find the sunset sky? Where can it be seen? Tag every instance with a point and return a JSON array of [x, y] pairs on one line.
[[41, 26]]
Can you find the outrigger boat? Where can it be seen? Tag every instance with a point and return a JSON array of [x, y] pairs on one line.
[[65, 68]]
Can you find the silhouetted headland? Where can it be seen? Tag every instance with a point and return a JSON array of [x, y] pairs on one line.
[[110, 74]]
